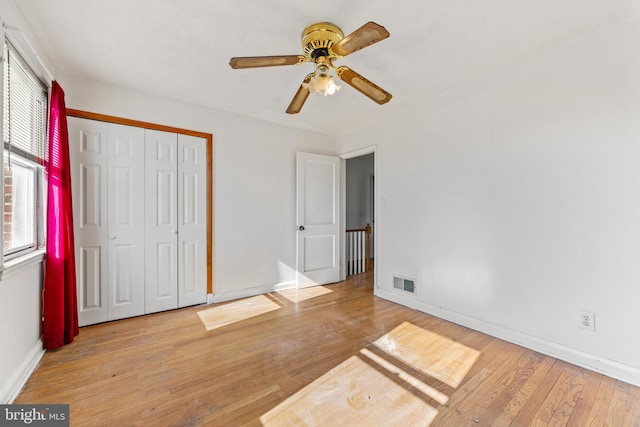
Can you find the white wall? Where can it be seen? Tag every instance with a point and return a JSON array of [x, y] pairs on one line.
[[358, 186], [515, 201], [20, 310], [359, 192], [254, 181]]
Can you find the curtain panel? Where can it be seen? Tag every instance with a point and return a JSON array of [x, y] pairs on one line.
[[60, 309]]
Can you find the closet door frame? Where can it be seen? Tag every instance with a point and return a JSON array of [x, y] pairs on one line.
[[209, 179]]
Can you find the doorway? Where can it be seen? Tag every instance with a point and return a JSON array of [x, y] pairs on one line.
[[359, 207]]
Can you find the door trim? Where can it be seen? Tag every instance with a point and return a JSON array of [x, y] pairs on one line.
[[209, 141]]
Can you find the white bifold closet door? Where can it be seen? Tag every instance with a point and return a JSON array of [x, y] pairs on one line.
[[108, 199], [192, 220], [126, 219], [140, 219], [175, 251], [88, 158], [161, 247]]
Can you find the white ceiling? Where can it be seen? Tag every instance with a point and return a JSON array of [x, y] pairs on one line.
[[181, 48]]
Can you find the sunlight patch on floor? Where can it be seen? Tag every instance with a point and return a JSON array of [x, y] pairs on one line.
[[226, 314], [352, 394], [428, 352], [410, 379], [375, 387], [299, 295]]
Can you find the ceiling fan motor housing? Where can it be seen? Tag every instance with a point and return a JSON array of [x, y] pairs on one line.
[[317, 40]]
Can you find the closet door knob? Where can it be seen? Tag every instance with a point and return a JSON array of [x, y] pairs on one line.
[[112, 237]]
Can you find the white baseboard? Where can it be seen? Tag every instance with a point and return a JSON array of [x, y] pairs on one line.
[[13, 387], [250, 292], [580, 358]]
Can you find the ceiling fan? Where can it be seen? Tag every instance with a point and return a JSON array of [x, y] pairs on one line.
[[323, 43]]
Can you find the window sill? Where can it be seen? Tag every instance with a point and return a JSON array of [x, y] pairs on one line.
[[16, 265]]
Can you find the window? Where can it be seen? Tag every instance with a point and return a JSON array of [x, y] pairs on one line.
[[24, 136]]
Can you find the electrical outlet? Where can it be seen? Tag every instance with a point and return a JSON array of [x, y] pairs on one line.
[[587, 320]]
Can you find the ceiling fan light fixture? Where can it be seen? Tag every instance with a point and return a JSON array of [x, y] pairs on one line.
[[322, 84], [321, 81], [332, 87]]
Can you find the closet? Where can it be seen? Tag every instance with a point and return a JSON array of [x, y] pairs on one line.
[[139, 201]]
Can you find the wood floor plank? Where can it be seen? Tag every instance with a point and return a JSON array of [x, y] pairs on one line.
[[619, 411], [470, 410], [274, 361], [522, 390], [564, 396], [633, 398], [538, 396], [586, 400]]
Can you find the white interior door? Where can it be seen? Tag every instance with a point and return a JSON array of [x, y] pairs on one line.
[[88, 158], [161, 229], [192, 220], [317, 216], [125, 264]]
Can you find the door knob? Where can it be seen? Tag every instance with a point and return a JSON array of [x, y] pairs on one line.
[[301, 228], [112, 237]]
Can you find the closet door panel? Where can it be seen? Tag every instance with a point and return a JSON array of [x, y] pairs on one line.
[[192, 223], [161, 225], [126, 222], [88, 159]]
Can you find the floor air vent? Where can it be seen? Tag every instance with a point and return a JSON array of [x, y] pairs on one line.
[[404, 284]]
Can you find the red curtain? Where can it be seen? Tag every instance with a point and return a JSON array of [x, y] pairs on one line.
[[60, 319]]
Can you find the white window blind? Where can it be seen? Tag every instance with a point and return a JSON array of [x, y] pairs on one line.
[[25, 112]]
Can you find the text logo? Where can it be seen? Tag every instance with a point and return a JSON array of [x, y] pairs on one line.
[[34, 415]]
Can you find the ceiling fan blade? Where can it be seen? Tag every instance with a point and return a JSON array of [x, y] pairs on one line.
[[300, 97], [363, 85], [264, 61], [364, 36]]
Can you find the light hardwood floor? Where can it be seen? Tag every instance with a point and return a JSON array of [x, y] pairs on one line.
[[332, 356]]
